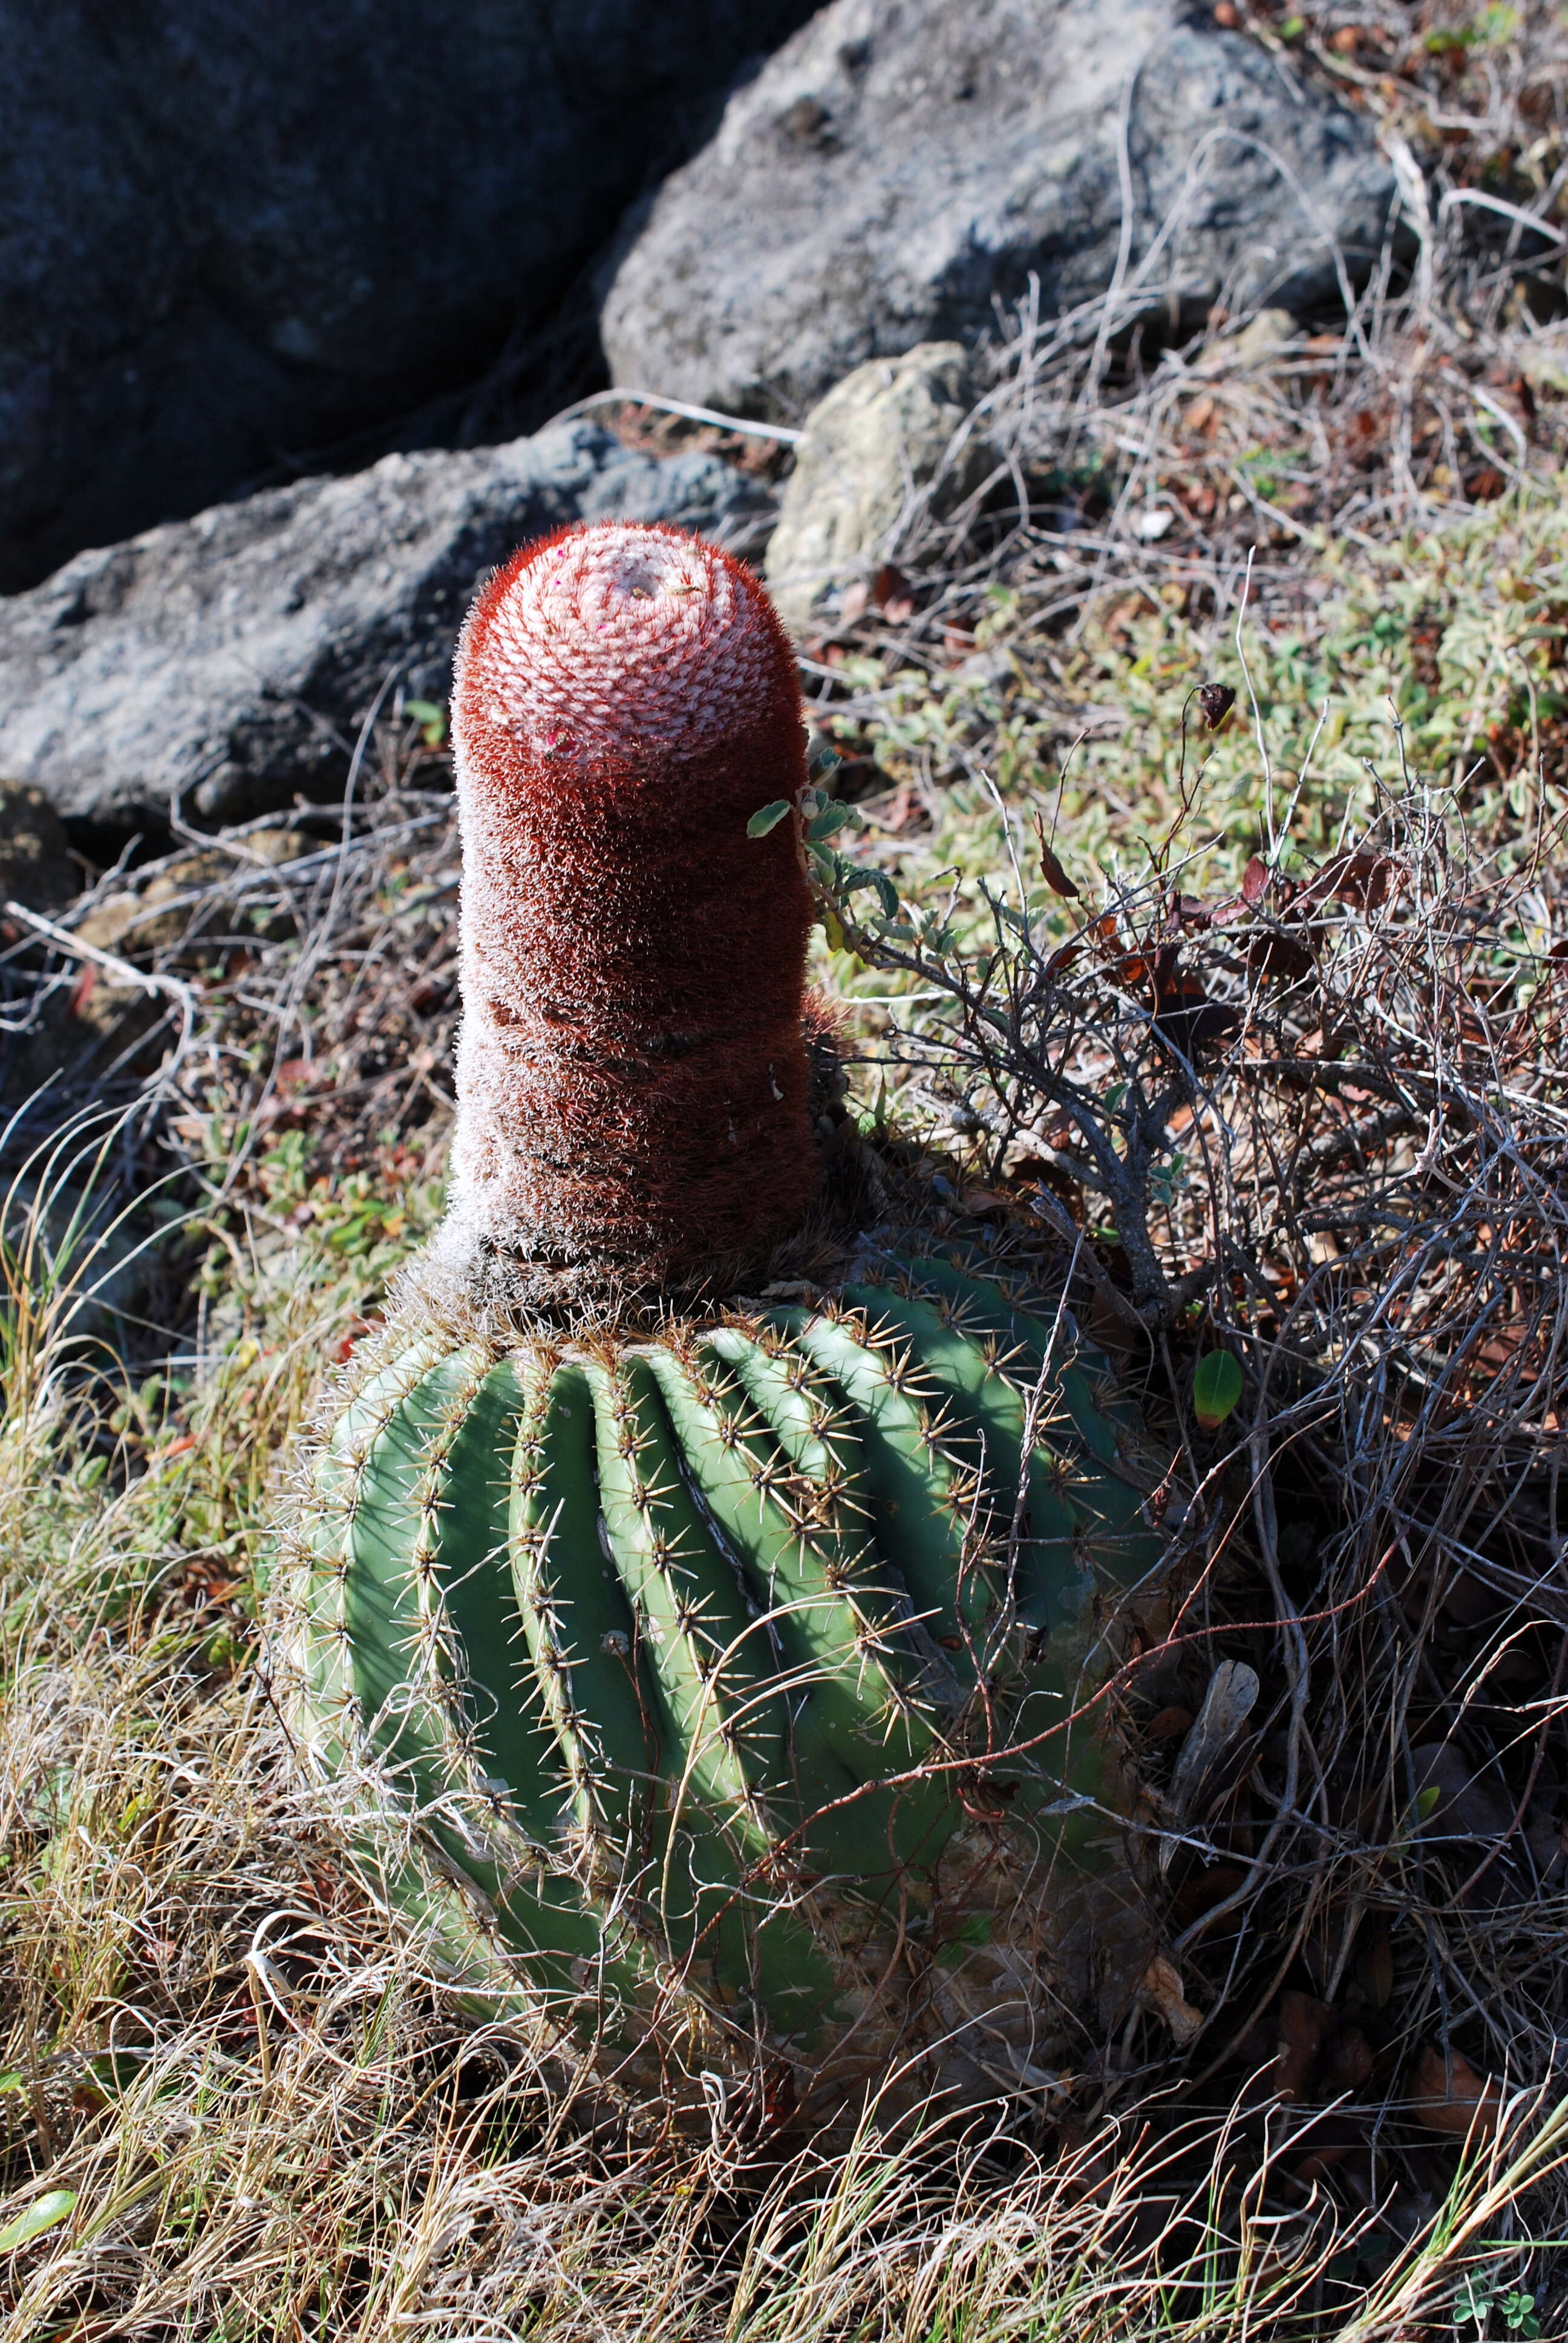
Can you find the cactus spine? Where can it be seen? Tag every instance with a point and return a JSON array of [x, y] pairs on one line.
[[718, 1686]]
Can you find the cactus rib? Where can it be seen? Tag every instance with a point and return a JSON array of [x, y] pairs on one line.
[[706, 1669]]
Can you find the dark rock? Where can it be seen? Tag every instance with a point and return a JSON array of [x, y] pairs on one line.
[[227, 661], [232, 234], [902, 165], [36, 865]]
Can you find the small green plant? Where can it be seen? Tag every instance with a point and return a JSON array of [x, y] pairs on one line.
[[431, 718], [36, 2220], [1479, 2296]]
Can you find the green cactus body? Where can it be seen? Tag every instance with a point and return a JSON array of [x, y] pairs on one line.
[[731, 1691]]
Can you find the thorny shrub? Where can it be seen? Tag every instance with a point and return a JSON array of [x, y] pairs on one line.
[[1318, 1123]]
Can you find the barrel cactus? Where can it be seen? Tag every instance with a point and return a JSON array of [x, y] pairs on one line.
[[710, 1652]]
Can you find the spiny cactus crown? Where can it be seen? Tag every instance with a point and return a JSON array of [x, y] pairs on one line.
[[631, 1078], [621, 639]]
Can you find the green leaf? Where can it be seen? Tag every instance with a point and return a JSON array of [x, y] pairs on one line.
[[827, 863], [767, 817], [431, 717], [1472, 2302], [857, 881], [1426, 1800], [45, 2212], [830, 821], [1216, 1388]]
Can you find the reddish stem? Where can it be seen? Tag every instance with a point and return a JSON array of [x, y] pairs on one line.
[[631, 1078]]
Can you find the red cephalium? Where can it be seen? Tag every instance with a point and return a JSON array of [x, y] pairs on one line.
[[631, 1080]]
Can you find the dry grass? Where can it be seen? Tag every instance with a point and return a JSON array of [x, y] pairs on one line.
[[250, 2115], [265, 2116]]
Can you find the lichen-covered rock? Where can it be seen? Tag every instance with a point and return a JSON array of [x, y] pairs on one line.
[[878, 450], [149, 915]]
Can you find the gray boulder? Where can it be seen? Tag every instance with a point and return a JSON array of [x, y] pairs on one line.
[[229, 235], [901, 165], [227, 661]]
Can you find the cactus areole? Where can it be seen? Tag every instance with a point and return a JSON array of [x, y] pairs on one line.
[[721, 1698]]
